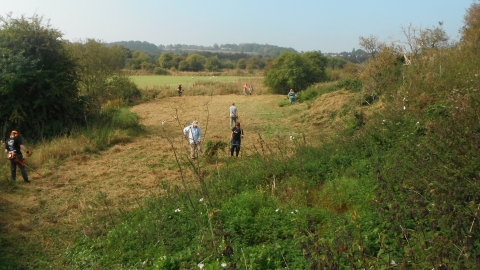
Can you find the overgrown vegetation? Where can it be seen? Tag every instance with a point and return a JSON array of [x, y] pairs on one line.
[[400, 190]]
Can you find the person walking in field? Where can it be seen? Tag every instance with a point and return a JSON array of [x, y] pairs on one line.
[[245, 86], [250, 90], [236, 139], [179, 89], [292, 96], [194, 133], [13, 147], [233, 115]]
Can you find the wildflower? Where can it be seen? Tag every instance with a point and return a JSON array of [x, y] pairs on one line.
[[278, 210], [177, 210], [404, 107], [201, 200], [224, 265], [200, 265]]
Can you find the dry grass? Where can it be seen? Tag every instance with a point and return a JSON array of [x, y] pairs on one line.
[[83, 186]]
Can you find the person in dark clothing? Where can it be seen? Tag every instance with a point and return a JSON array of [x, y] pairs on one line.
[[179, 89], [13, 147], [236, 139]]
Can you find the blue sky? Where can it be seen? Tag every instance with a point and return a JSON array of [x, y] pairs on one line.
[[304, 25]]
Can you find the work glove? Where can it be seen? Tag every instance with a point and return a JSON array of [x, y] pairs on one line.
[[29, 153]]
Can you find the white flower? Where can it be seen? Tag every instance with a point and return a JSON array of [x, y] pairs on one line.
[[393, 262], [404, 107], [278, 210], [201, 200], [224, 265], [177, 210], [418, 123], [200, 265]]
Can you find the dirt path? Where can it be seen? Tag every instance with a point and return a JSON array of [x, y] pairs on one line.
[[50, 211]]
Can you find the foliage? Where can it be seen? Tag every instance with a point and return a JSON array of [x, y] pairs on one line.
[[297, 71], [38, 80], [99, 71], [212, 64]]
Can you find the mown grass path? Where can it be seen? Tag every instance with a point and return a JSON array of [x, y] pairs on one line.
[[42, 218]]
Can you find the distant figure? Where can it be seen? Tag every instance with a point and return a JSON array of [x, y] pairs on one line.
[[245, 86], [292, 96], [179, 89], [233, 115], [194, 137], [250, 89], [236, 139]]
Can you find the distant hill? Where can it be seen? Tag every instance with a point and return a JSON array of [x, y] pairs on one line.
[[247, 48]]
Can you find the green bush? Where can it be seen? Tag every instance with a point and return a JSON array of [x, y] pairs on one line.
[[160, 71]]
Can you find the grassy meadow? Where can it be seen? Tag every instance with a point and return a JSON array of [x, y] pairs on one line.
[[153, 81]]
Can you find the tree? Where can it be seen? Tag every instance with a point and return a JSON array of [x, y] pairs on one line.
[[38, 80], [212, 64], [471, 30], [138, 57], [97, 63], [242, 63], [371, 45], [294, 70], [195, 62], [165, 60]]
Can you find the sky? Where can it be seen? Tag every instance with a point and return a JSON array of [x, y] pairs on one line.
[[328, 26]]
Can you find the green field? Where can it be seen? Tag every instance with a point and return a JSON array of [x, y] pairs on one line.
[[157, 81]]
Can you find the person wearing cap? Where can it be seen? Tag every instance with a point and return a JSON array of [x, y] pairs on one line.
[[233, 114], [13, 147], [194, 133]]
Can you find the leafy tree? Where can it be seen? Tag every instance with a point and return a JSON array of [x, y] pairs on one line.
[[183, 65], [165, 60], [195, 62], [38, 80], [212, 64], [254, 63], [242, 63], [471, 30], [228, 64], [138, 57], [336, 62], [294, 70], [97, 63]]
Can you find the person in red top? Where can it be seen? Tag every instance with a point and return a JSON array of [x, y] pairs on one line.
[[245, 86], [13, 146]]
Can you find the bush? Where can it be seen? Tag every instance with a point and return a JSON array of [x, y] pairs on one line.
[[160, 71]]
